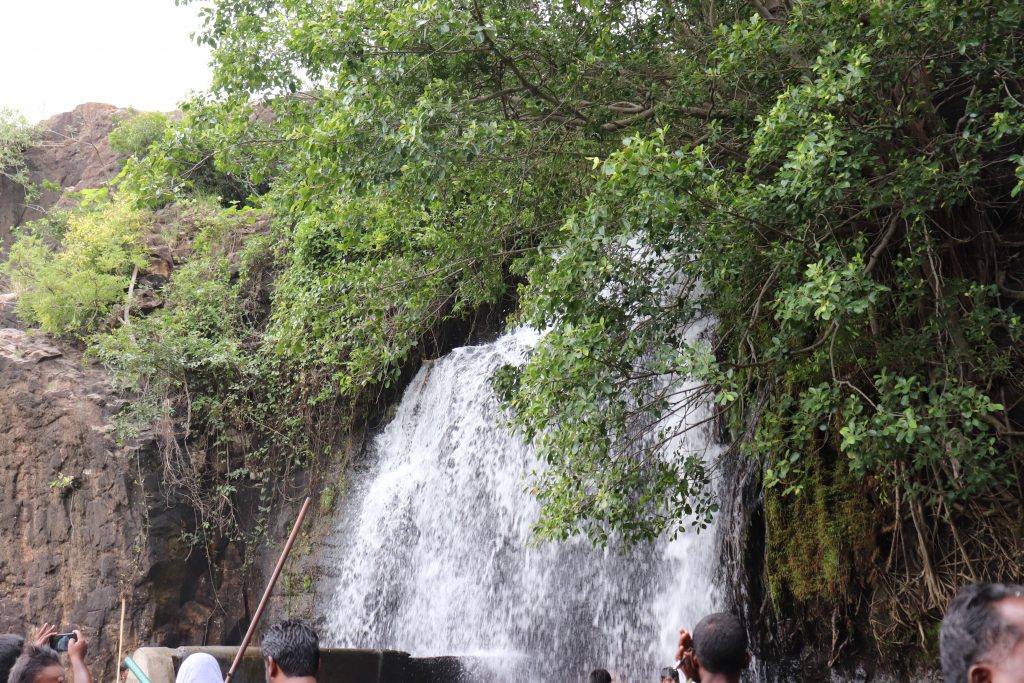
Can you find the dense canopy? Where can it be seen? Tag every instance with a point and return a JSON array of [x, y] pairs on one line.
[[806, 213]]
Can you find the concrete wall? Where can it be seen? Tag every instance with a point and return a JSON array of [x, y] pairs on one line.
[[337, 666]]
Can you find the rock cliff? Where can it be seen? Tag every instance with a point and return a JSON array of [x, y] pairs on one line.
[[85, 521]]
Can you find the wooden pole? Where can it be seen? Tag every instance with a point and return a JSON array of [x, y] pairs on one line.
[[270, 588], [120, 646]]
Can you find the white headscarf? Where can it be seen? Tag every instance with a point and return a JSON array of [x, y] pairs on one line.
[[199, 668]]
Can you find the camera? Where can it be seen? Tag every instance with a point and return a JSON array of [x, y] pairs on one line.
[[59, 641]]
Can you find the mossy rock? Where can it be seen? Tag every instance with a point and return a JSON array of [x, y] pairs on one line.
[[820, 542]]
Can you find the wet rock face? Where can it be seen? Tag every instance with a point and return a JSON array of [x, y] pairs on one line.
[[74, 154]]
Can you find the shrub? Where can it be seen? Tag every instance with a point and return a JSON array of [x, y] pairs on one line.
[[16, 134], [71, 290], [134, 135]]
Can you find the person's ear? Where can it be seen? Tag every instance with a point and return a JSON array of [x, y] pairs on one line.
[[979, 673], [272, 668]]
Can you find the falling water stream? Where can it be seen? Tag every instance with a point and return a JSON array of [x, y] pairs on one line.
[[433, 552]]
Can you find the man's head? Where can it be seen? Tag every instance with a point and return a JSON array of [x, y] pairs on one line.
[[10, 649], [291, 649], [982, 636], [600, 676], [37, 665], [669, 675], [720, 644]]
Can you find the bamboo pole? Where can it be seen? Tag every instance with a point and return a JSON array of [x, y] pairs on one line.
[[120, 646], [266, 594]]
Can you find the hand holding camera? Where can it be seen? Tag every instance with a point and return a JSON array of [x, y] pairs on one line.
[[77, 647], [687, 656], [43, 635]]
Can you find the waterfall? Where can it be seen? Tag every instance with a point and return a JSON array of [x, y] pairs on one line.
[[433, 556]]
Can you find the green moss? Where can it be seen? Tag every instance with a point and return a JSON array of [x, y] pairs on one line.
[[931, 644], [327, 497], [819, 542]]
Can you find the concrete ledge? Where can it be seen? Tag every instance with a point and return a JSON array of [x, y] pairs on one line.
[[336, 666]]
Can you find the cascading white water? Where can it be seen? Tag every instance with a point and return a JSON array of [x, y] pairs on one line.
[[433, 553]]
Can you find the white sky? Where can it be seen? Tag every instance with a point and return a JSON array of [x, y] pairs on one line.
[[56, 54]]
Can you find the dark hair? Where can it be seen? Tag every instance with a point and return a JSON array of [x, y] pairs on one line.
[[669, 672], [971, 628], [600, 676], [721, 643], [31, 663], [294, 646], [10, 648]]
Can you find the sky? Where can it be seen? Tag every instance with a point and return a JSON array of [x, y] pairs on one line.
[[56, 54]]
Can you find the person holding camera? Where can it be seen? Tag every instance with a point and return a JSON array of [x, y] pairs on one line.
[[12, 645], [41, 663]]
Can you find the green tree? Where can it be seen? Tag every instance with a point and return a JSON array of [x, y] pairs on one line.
[[808, 209], [16, 134]]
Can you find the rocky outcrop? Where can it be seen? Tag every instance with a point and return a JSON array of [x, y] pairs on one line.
[[73, 153], [73, 538], [84, 521]]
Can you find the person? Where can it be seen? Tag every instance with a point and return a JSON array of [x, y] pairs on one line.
[[669, 675], [40, 664], [982, 635], [716, 652], [600, 676], [11, 645], [200, 667], [291, 653], [10, 649]]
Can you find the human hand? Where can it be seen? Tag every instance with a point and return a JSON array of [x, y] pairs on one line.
[[43, 633], [78, 647], [687, 657]]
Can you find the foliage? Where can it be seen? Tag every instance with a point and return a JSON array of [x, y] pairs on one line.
[[846, 219], [402, 197], [193, 368], [74, 289], [16, 134], [62, 483], [180, 164], [799, 221], [137, 132]]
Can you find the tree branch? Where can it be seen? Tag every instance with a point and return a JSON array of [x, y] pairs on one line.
[[619, 124], [876, 253], [761, 9], [513, 67], [494, 95]]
